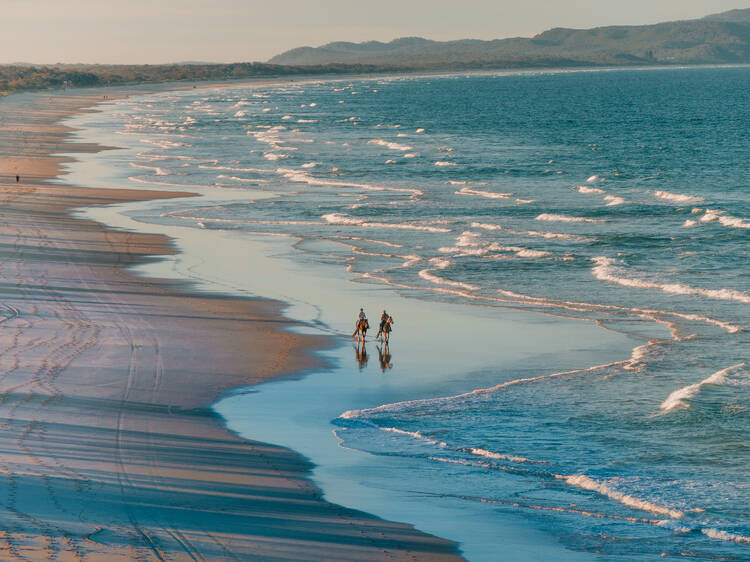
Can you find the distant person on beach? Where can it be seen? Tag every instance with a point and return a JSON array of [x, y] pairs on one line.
[[362, 324], [18, 178]]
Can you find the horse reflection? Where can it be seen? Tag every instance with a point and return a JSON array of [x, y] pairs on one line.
[[384, 356], [360, 353]]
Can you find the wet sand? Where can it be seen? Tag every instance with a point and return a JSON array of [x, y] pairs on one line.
[[108, 447]]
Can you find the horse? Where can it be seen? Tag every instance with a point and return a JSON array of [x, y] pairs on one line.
[[362, 326], [386, 329]]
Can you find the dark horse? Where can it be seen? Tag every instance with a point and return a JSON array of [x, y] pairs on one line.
[[362, 326]]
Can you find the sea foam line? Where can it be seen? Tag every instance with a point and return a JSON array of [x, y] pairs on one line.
[[724, 219], [551, 217], [304, 177], [604, 271], [582, 481], [480, 193], [344, 220], [390, 145], [677, 197], [678, 398], [399, 406]]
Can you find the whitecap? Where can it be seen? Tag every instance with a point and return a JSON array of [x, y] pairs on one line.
[[613, 200], [604, 271], [587, 189], [582, 481], [565, 218], [390, 145], [677, 197], [678, 398], [480, 193]]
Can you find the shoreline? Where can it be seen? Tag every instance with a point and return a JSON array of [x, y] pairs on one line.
[[196, 259], [283, 412], [114, 378]]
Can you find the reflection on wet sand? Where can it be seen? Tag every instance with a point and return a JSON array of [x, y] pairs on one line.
[[384, 356], [360, 353]]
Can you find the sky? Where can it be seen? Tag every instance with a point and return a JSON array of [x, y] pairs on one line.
[[163, 31]]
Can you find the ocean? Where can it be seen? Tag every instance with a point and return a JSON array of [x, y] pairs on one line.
[[565, 255]]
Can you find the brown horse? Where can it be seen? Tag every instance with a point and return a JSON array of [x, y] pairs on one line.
[[386, 328], [362, 326]]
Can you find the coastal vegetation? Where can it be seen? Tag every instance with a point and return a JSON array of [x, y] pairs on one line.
[[37, 77]]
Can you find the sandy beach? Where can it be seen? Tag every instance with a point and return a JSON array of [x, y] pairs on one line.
[[109, 449]]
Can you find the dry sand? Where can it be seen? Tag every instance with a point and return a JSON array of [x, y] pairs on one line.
[[108, 448]]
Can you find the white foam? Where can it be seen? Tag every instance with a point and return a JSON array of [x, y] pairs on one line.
[[440, 263], [235, 169], [486, 226], [442, 163], [526, 252], [157, 170], [712, 215], [592, 179], [341, 219], [604, 271], [236, 178], [240, 113], [556, 236], [414, 435], [498, 456], [587, 189], [565, 218], [677, 197], [480, 193], [309, 165], [164, 144], [420, 130], [678, 398], [390, 145], [581, 481], [613, 200], [428, 276], [304, 177], [725, 536], [412, 155], [398, 406], [274, 156]]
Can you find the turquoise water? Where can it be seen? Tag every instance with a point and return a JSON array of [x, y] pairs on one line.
[[616, 198]]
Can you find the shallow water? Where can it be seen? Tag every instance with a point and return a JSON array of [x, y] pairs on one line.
[[618, 198]]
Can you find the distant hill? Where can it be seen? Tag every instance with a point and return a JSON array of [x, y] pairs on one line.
[[737, 16], [716, 39]]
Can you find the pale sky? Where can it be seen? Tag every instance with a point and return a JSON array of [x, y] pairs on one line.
[[159, 31]]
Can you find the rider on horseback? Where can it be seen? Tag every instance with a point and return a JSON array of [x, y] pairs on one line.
[[386, 321], [362, 324]]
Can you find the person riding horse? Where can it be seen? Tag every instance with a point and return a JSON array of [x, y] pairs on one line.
[[362, 324], [386, 325]]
